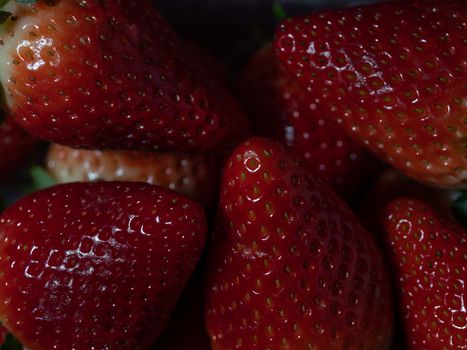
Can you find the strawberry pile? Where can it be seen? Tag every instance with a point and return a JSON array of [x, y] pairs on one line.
[[315, 204]]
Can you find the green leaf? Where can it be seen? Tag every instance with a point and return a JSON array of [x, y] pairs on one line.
[[11, 343], [459, 209], [279, 11], [40, 178]]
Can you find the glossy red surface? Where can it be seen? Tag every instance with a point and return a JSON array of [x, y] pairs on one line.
[[96, 266], [393, 74], [429, 256], [290, 266], [279, 108], [112, 74]]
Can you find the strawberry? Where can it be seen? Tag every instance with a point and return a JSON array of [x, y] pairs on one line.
[[111, 75], [96, 265], [291, 267], [193, 176], [16, 145], [393, 74], [429, 255], [281, 110]]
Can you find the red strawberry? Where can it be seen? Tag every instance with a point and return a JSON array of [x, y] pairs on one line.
[[281, 110], [429, 256], [193, 176], [393, 74], [96, 265], [111, 74], [16, 145], [292, 268]]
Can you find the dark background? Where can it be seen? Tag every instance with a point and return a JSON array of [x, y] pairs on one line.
[[233, 29]]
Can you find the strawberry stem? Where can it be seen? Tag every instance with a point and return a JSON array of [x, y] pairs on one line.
[[459, 209]]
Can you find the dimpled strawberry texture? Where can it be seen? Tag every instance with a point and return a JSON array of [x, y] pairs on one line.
[[292, 267], [112, 74], [16, 145], [394, 75], [96, 266], [429, 256], [281, 110], [195, 176]]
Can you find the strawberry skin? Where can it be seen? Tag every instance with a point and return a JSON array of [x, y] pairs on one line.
[[16, 145], [96, 265], [429, 256], [279, 109], [292, 268], [111, 75], [393, 74], [195, 176]]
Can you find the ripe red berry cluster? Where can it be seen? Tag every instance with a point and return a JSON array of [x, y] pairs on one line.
[[309, 209]]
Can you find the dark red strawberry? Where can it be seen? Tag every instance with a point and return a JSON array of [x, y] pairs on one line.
[[96, 265], [291, 267], [193, 176], [16, 145], [280, 109], [393, 74], [111, 74], [429, 256]]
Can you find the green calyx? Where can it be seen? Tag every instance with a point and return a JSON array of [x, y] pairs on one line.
[[11, 343], [39, 179], [459, 209], [4, 15]]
